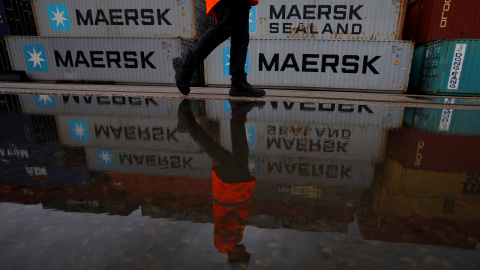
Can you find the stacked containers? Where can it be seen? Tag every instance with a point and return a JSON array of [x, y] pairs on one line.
[[110, 40], [445, 33], [351, 44]]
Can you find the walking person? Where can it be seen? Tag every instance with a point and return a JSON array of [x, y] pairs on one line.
[[232, 22]]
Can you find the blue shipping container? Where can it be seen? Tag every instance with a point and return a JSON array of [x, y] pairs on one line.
[[448, 67], [42, 175]]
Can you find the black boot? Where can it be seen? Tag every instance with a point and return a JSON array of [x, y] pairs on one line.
[[241, 88], [183, 75]]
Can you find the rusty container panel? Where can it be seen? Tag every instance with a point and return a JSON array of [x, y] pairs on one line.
[[318, 64], [443, 19], [121, 18], [328, 19]]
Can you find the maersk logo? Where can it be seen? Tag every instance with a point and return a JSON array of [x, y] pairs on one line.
[[250, 133], [227, 107], [252, 20], [58, 17], [36, 57], [79, 130], [226, 62], [255, 165], [45, 101], [105, 157]]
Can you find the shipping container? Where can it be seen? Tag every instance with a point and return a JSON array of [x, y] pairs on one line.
[[5, 64], [312, 171], [420, 150], [121, 160], [369, 65], [323, 141], [328, 19], [4, 27], [151, 133], [141, 60], [51, 155], [444, 121], [122, 18], [106, 105], [10, 103], [431, 20], [21, 20], [448, 68], [28, 128], [43, 175], [314, 113]]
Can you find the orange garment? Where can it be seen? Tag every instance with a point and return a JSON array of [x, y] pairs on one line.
[[231, 204], [212, 3]]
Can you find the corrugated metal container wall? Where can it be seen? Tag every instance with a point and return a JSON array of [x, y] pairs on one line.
[[450, 67], [443, 19], [314, 113], [147, 60], [121, 18], [4, 57], [445, 121], [20, 128], [328, 19], [4, 27], [125, 132], [149, 162], [373, 65], [420, 150], [343, 142], [20, 17]]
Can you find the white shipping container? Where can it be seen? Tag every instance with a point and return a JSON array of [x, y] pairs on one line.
[[328, 19], [146, 60], [150, 133], [288, 63], [314, 171], [121, 160], [99, 105], [323, 141], [314, 113], [121, 18]]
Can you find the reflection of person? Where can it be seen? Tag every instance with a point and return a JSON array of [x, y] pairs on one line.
[[232, 182], [233, 21]]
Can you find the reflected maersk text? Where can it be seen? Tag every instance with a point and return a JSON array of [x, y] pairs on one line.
[[276, 184]]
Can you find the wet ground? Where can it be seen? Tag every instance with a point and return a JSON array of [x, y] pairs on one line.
[[297, 180]]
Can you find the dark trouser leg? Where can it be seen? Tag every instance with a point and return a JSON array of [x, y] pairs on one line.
[[227, 18], [240, 40]]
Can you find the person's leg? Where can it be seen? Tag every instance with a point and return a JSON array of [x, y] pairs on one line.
[[226, 20]]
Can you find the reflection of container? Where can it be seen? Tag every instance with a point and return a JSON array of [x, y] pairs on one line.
[[147, 60], [329, 19], [372, 65], [43, 175], [4, 57], [448, 67], [16, 18], [149, 162], [430, 20], [323, 141], [151, 133], [419, 150], [28, 128], [314, 113], [444, 121], [122, 18]]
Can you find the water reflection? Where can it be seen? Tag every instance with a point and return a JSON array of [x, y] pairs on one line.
[[397, 175]]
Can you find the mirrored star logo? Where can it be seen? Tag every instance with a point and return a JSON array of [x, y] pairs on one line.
[[105, 157], [79, 130], [250, 134], [45, 101]]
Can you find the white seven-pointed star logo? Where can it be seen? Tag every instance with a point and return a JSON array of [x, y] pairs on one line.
[[105, 157], [249, 135], [36, 59], [79, 130], [58, 17], [249, 17], [228, 63], [45, 99]]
